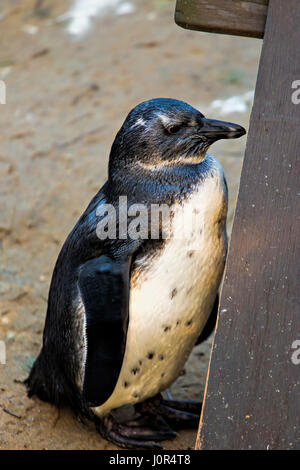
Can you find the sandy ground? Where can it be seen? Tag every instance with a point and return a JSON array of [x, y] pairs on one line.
[[66, 98]]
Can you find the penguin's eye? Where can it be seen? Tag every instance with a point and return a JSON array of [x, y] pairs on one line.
[[173, 129]]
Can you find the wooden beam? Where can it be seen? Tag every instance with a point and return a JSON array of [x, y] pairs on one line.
[[238, 17], [253, 391]]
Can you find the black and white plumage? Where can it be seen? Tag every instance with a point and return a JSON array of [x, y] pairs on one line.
[[124, 314]]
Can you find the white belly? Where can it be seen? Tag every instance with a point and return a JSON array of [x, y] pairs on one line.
[[171, 301]]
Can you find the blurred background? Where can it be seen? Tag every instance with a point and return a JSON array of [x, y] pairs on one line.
[[73, 69]]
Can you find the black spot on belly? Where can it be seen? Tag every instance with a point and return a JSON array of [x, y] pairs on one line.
[[190, 253], [161, 357], [135, 370], [178, 322], [173, 293], [126, 384], [135, 395], [167, 328], [140, 362], [150, 355], [188, 323], [162, 375]]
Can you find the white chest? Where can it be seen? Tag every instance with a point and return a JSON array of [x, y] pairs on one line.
[[171, 301]]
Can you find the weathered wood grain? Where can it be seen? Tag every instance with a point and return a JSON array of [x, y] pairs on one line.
[[253, 391], [238, 17]]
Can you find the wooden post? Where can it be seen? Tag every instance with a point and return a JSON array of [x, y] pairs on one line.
[[252, 398], [241, 17]]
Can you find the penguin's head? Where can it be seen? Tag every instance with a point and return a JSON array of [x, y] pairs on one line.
[[167, 131]]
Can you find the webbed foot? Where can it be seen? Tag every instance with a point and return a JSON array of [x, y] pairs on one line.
[[151, 421], [142, 431]]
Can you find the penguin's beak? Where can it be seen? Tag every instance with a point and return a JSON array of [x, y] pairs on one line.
[[214, 130]]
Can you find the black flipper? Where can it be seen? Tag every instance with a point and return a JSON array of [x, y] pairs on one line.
[[104, 287], [211, 323]]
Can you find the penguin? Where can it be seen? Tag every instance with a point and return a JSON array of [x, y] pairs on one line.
[[134, 290]]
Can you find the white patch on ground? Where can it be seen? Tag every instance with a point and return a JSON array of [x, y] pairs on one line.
[[125, 8], [234, 104], [171, 302], [82, 12], [30, 29]]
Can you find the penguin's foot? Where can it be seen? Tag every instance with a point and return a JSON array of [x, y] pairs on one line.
[[151, 421], [178, 414], [140, 432], [189, 406]]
